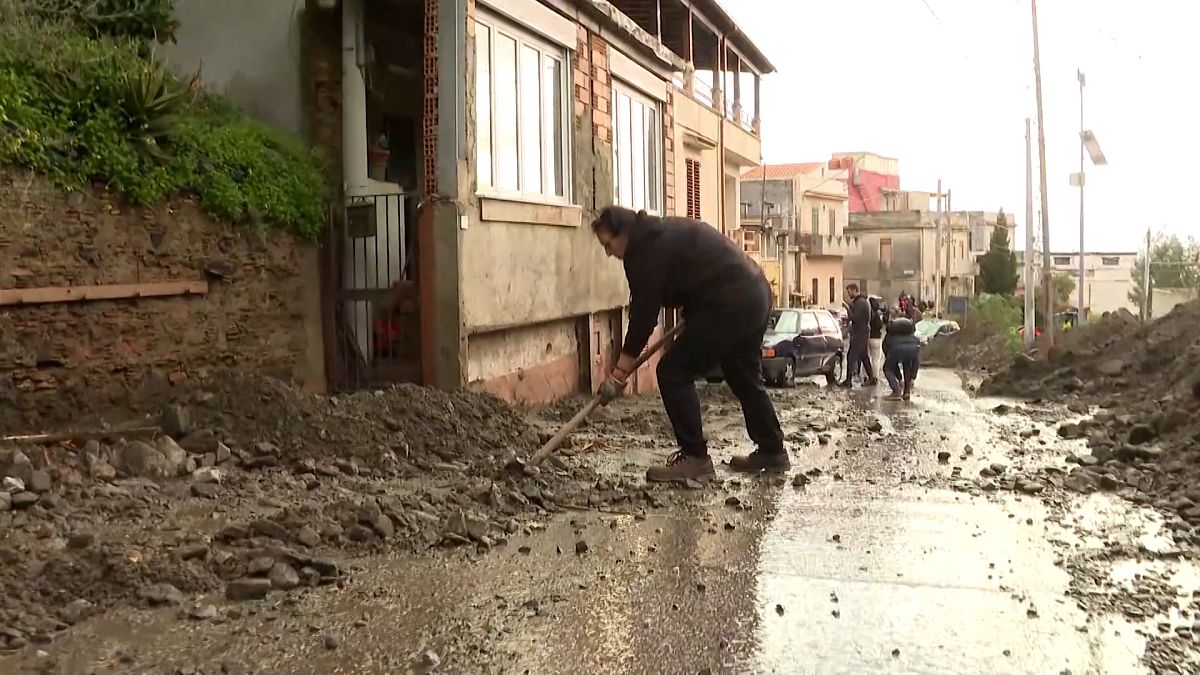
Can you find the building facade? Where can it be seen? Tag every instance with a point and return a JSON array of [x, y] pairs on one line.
[[794, 220], [471, 143], [869, 179], [1108, 279]]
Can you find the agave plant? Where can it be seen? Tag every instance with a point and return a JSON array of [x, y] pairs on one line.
[[152, 101]]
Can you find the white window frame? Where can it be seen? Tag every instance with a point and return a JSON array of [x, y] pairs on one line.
[[621, 87], [524, 38]]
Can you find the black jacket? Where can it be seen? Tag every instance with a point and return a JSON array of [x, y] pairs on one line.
[[860, 317], [901, 332], [681, 263]]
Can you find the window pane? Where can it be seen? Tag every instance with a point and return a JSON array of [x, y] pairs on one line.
[[483, 103], [504, 116], [531, 120], [552, 100], [618, 195], [652, 149], [625, 151], [637, 146]]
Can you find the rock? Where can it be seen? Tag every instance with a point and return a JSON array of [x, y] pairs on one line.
[[308, 536], [283, 577], [875, 426], [205, 490], [270, 529], [248, 589], [142, 460], [81, 540], [1078, 408], [202, 612], [39, 482], [207, 475], [160, 594], [383, 526], [190, 551], [1087, 460], [5, 502], [998, 468], [581, 547], [13, 484], [824, 439], [175, 420], [799, 480], [430, 659], [74, 611], [171, 450], [260, 565], [1030, 487], [222, 453], [200, 442], [332, 641], [1108, 482], [1082, 481], [1071, 431], [1142, 433], [23, 500], [733, 501], [1111, 367], [779, 609], [943, 456]]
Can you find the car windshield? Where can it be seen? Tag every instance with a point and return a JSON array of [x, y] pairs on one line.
[[783, 322], [928, 327]]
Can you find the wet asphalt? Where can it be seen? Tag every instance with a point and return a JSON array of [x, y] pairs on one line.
[[875, 566]]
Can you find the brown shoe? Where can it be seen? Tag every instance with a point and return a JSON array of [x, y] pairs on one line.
[[680, 468], [761, 461]]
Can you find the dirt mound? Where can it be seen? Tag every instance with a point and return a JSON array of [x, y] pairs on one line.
[[245, 486], [404, 424], [1146, 440], [971, 348]]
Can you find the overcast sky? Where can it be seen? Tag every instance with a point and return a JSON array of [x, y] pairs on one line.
[[945, 87]]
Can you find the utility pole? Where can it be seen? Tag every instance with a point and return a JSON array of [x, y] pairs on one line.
[[948, 232], [1147, 292], [1029, 283], [1082, 272], [937, 254], [1046, 270]]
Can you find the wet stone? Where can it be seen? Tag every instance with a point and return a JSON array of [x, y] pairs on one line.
[[248, 589], [161, 594]]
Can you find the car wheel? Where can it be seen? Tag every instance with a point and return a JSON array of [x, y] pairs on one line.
[[834, 375], [788, 378]]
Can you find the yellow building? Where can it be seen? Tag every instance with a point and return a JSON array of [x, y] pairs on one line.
[[793, 220]]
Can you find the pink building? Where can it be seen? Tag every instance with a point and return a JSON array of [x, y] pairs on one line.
[[868, 177]]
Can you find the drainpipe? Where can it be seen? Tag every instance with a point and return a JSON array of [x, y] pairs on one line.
[[354, 103]]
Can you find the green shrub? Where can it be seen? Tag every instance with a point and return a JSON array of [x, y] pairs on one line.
[[997, 314], [81, 108]]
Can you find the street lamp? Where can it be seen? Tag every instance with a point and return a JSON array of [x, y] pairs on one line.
[[1088, 143]]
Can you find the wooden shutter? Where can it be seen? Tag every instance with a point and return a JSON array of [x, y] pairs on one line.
[[693, 188]]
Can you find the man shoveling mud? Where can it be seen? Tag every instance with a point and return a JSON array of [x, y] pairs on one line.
[[687, 264]]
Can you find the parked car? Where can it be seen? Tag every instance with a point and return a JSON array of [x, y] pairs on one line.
[[928, 329], [799, 343]]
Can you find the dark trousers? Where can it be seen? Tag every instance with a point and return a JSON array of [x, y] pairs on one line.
[[730, 334], [859, 357], [900, 366]]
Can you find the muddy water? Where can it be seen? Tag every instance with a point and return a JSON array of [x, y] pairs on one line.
[[865, 570]]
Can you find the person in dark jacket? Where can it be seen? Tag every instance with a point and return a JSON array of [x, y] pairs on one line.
[[725, 298], [860, 335], [901, 357]]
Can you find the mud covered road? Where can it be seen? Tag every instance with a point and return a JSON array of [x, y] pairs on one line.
[[885, 549]]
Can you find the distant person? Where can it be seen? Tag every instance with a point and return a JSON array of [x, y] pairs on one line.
[[901, 357], [909, 309], [860, 336]]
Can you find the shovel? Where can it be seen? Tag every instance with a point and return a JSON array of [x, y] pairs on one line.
[[552, 444]]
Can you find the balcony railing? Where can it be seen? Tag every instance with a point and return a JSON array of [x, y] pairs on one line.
[[702, 92], [828, 245]]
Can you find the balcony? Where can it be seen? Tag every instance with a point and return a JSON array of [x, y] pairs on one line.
[[828, 245]]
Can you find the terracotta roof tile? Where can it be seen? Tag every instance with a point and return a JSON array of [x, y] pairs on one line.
[[782, 171]]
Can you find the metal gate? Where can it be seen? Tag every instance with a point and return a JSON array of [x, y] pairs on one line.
[[372, 327]]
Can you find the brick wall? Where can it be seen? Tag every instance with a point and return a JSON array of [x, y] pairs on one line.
[[668, 118], [66, 362], [429, 117]]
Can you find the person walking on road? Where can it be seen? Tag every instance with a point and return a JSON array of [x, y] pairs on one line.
[[860, 335], [725, 298], [901, 357]]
